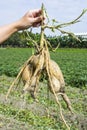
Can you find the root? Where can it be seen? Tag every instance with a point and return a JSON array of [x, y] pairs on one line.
[[60, 107], [49, 78], [67, 101], [32, 83], [19, 74]]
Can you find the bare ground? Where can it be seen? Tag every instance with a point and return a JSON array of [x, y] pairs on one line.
[[77, 96]]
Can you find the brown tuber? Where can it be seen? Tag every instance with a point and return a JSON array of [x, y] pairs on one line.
[[56, 77]]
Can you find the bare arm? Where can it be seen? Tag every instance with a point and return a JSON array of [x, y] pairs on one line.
[[31, 18], [6, 31]]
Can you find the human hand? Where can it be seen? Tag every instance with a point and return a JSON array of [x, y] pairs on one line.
[[31, 18]]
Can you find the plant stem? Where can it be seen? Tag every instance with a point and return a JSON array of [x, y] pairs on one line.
[[42, 28]]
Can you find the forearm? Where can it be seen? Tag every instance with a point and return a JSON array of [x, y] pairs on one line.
[[31, 18], [7, 30]]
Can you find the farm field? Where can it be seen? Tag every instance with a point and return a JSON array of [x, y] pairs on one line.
[[24, 113]]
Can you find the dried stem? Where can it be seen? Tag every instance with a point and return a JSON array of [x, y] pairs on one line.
[[57, 27], [70, 34], [68, 23], [33, 41], [42, 28]]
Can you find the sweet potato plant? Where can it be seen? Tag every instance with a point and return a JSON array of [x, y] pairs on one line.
[[40, 63]]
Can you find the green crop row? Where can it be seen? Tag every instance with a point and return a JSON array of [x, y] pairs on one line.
[[12, 59], [73, 63]]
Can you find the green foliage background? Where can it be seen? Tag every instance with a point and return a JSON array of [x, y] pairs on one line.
[[25, 114], [73, 63], [20, 39]]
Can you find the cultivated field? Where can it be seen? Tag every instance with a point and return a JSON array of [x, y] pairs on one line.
[[26, 114]]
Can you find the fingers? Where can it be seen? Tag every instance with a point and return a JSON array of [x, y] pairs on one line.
[[36, 24], [33, 18], [37, 12], [37, 21]]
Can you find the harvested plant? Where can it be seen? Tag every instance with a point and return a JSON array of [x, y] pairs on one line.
[[41, 63]]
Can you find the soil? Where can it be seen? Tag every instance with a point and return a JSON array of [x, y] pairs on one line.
[[10, 123]]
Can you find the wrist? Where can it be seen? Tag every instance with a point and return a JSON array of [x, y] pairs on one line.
[[21, 25], [17, 26]]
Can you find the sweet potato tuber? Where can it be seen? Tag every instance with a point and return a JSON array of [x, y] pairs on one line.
[[56, 76]]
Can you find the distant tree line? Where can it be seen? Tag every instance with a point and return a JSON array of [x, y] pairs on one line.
[[68, 42], [21, 39]]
